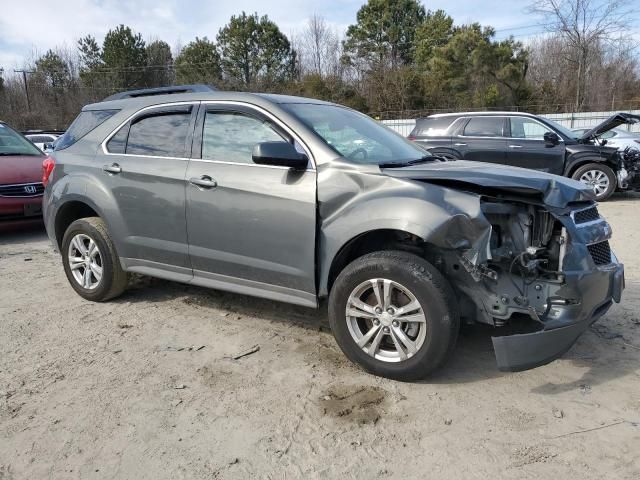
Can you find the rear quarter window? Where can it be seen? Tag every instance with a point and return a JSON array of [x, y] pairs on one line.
[[432, 126], [83, 124]]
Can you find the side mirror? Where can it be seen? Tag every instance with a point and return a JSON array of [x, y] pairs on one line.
[[551, 138], [281, 154]]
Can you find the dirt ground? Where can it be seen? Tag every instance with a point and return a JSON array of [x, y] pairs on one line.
[[145, 387]]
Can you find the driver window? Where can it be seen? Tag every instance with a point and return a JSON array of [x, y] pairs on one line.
[[231, 136], [527, 128]]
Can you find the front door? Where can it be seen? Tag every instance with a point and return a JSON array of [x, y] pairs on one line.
[[526, 147], [145, 168], [251, 227]]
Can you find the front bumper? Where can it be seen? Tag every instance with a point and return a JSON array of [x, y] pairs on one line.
[[599, 289]]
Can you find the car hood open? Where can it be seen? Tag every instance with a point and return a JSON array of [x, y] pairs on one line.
[[610, 123], [492, 179]]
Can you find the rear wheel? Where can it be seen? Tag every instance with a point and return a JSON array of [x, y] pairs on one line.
[[599, 177], [90, 261], [394, 314]]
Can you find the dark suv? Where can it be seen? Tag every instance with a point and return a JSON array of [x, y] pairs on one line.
[[300, 201], [529, 141]]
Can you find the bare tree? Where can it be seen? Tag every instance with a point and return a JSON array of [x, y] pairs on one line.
[[320, 47], [584, 25]]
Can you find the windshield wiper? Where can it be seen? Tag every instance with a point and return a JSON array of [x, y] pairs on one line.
[[426, 158]]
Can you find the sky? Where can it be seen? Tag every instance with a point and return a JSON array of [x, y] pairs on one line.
[[30, 27]]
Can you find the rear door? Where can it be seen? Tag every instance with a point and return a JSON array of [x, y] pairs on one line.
[[144, 167], [481, 139], [526, 147], [251, 227]]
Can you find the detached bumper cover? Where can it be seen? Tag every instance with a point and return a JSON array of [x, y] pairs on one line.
[[600, 289]]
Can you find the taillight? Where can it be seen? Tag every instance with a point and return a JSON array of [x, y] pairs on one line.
[[411, 137], [48, 165]]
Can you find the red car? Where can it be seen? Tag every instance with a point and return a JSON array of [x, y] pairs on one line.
[[21, 187]]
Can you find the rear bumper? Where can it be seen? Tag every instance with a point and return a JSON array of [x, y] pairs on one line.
[[599, 290]]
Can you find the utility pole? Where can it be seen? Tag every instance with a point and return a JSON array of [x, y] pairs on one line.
[[26, 86]]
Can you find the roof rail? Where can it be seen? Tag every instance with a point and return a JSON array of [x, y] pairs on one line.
[[148, 92]]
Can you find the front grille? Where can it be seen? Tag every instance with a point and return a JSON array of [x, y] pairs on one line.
[[600, 252], [584, 216], [22, 190]]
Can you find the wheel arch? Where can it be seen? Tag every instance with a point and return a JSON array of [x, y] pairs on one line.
[[579, 161], [368, 242], [69, 212]]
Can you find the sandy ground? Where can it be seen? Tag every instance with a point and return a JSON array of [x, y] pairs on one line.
[[124, 390]]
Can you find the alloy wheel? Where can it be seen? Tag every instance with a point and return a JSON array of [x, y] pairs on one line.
[[386, 320], [597, 180], [85, 261]]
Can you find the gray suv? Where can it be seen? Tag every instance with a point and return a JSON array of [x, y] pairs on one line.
[[299, 200]]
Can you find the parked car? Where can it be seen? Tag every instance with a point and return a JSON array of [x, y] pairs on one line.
[[529, 141], [44, 141], [21, 186], [617, 137], [300, 200]]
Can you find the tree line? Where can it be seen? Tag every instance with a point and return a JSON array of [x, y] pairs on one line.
[[396, 60]]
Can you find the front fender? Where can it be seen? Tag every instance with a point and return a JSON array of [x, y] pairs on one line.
[[580, 157], [443, 217]]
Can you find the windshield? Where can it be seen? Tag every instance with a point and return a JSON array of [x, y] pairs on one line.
[[355, 136], [563, 130], [12, 143]]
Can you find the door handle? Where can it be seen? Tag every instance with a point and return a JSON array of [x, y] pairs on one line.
[[205, 181], [515, 146], [113, 168], [460, 144]]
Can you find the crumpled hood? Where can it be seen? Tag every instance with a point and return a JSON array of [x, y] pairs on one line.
[[610, 123], [553, 190]]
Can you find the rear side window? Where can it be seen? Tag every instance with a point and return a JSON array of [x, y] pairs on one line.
[[160, 135], [118, 143], [432, 126], [484, 127], [83, 124]]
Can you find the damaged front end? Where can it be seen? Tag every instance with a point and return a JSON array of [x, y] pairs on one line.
[[542, 256], [629, 172], [551, 266]]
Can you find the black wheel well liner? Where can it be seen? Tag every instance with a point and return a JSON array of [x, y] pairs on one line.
[[372, 241], [69, 213]]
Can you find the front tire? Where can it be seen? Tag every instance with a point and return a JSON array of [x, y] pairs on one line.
[[599, 177], [394, 314], [90, 261]]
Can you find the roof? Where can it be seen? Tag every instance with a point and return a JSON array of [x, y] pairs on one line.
[[261, 99], [485, 113], [148, 92]]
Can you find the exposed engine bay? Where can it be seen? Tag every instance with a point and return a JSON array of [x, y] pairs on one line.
[[524, 271], [629, 173]]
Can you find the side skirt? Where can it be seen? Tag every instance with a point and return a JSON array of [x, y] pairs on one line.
[[220, 282]]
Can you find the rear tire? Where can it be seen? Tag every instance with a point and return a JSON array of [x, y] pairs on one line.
[[376, 333], [90, 261], [599, 177]]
